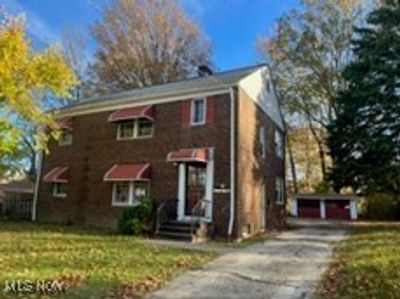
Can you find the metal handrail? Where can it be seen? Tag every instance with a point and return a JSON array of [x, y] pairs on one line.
[[164, 212], [158, 216], [194, 209]]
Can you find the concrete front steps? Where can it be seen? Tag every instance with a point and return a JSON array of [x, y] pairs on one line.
[[177, 230]]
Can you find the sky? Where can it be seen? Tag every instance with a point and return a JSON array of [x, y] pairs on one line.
[[231, 25]]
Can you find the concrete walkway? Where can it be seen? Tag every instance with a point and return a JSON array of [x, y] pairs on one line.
[[218, 248], [287, 267]]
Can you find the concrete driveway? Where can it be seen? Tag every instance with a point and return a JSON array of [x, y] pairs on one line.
[[288, 267]]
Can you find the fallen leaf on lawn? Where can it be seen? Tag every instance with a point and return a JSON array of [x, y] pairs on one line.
[[72, 280], [137, 289]]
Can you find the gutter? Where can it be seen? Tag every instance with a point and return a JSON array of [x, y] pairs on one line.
[[232, 165], [111, 103], [36, 194]]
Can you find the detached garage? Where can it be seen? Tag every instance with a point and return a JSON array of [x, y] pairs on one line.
[[325, 206]]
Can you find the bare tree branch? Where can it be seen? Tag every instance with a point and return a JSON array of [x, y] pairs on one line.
[[142, 43]]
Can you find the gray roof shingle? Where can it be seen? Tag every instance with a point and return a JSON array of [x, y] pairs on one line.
[[214, 81]]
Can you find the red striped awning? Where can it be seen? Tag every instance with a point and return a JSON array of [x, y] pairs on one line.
[[57, 175], [128, 172], [132, 113], [65, 123], [189, 155]]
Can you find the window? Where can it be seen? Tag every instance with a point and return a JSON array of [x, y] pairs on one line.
[[279, 191], [129, 193], [121, 193], [262, 142], [60, 189], [198, 115], [279, 144], [65, 138], [140, 191], [145, 127], [138, 128], [126, 129]]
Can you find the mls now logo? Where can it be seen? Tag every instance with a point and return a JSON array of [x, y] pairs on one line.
[[31, 286]]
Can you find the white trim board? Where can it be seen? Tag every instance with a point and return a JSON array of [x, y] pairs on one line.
[[116, 104], [255, 87]]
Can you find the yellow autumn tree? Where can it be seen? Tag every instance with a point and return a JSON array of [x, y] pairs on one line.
[[26, 76]]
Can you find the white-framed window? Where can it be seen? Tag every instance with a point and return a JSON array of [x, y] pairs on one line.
[[198, 112], [262, 140], [144, 128], [279, 144], [127, 193], [121, 193], [135, 129], [279, 191], [126, 129], [65, 138], [60, 189]]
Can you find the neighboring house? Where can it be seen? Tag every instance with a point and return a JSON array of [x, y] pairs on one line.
[[209, 148], [325, 206], [16, 199]]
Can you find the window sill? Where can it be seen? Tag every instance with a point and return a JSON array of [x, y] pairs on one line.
[[125, 205], [197, 124], [144, 137], [134, 138]]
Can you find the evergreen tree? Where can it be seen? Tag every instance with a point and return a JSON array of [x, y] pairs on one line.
[[364, 139]]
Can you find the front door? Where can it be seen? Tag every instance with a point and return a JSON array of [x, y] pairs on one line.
[[196, 175]]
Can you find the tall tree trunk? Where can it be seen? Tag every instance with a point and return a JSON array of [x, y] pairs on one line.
[[32, 159], [292, 165], [321, 151]]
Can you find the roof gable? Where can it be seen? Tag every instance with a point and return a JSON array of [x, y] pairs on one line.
[[199, 85], [255, 86]]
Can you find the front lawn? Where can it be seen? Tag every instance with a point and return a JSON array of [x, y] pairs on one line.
[[367, 265], [94, 264]]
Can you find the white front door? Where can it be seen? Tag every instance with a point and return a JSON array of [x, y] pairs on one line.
[[195, 183]]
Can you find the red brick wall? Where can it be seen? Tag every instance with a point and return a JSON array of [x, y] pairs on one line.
[[95, 149], [253, 171]]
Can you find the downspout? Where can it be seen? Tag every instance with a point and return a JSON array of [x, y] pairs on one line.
[[36, 194], [232, 165]]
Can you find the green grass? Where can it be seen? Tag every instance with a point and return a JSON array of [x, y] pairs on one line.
[[367, 265], [95, 264]]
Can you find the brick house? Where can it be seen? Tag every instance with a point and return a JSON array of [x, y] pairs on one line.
[[209, 149]]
